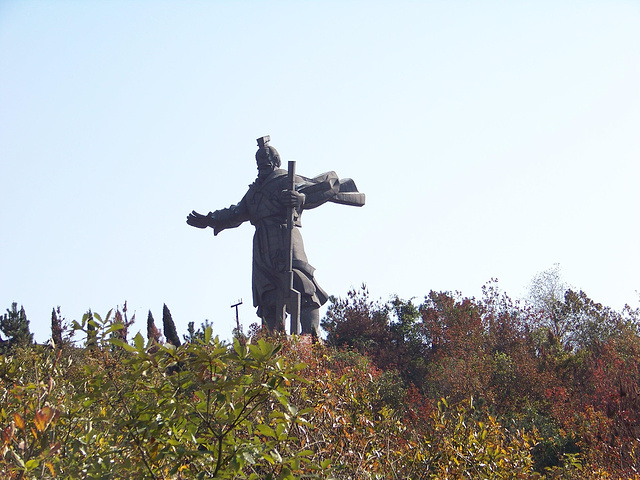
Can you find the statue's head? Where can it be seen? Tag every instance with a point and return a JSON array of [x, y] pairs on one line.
[[267, 158]]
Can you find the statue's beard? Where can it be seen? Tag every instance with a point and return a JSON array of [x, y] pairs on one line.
[[262, 174]]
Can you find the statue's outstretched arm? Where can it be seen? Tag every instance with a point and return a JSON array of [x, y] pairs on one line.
[[220, 220], [231, 217]]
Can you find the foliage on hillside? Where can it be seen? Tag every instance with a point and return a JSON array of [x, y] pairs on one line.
[[203, 410], [570, 372], [210, 410], [451, 388]]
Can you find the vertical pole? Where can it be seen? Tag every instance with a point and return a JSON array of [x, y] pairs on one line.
[[293, 296]]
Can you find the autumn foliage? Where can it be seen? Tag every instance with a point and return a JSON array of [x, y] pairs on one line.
[[449, 388], [569, 375]]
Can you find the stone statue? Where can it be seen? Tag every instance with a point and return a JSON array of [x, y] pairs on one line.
[[282, 277]]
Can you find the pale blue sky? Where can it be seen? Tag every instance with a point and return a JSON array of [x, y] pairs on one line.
[[492, 138]]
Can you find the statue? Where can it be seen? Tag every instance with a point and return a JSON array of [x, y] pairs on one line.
[[282, 277]]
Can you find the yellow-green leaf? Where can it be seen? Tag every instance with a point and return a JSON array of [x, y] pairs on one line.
[[42, 418], [19, 421]]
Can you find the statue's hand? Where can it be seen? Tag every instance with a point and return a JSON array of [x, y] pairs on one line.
[[198, 220], [291, 198]]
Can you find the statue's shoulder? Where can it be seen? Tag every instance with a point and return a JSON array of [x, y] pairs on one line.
[[273, 179], [277, 173]]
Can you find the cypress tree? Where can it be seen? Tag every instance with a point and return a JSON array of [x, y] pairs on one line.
[[169, 327]]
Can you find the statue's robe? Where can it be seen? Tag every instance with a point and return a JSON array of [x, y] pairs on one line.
[[262, 206]]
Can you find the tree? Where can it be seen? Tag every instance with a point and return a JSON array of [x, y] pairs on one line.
[[547, 288], [15, 326], [570, 318], [169, 328], [122, 319], [408, 341], [546, 293], [56, 328], [357, 322], [153, 334], [457, 353], [588, 323], [192, 334], [92, 334]]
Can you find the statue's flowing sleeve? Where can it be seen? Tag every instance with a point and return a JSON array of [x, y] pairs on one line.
[[327, 187], [231, 217]]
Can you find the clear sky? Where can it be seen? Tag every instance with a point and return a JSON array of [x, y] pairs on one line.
[[493, 139]]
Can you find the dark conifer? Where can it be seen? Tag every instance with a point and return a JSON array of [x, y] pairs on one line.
[[15, 326], [169, 327], [56, 328]]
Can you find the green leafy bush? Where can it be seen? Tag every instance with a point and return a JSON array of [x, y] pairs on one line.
[[204, 410]]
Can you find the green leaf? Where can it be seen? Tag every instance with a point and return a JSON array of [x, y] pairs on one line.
[[138, 341], [266, 430], [265, 348], [114, 327], [256, 352], [118, 342], [239, 348], [281, 398], [299, 366]]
